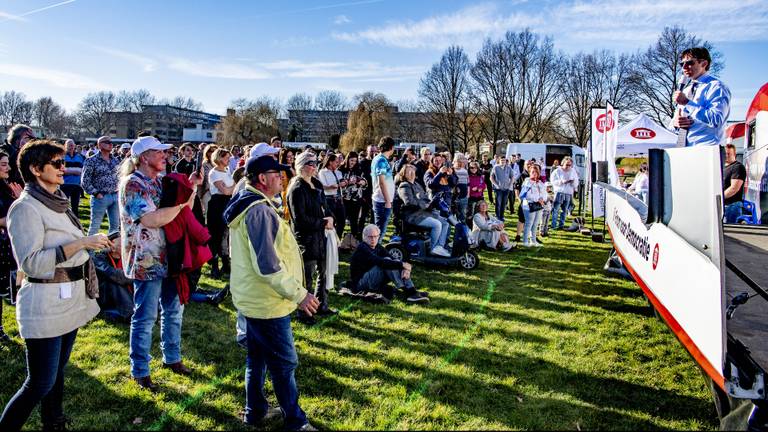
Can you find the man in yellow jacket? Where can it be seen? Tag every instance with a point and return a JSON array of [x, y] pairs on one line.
[[267, 285]]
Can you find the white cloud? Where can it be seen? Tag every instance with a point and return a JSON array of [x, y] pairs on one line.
[[52, 77], [614, 21], [146, 63], [372, 71], [217, 69], [341, 19]]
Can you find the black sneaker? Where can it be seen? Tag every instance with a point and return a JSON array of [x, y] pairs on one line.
[[424, 294], [217, 298], [539, 240], [517, 239], [326, 312], [417, 298]]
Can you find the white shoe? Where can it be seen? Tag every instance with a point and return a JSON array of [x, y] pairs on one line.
[[440, 251], [526, 244], [535, 243]]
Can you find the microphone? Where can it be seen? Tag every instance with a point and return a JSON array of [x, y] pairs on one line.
[[682, 82]]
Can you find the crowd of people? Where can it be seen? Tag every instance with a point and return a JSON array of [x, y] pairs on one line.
[[269, 220]]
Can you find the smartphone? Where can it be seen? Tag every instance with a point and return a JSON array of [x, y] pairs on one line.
[[113, 236], [199, 162]]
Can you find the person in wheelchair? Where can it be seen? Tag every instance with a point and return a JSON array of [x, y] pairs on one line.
[[415, 210]]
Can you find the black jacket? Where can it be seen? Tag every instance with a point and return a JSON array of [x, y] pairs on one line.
[[14, 176], [308, 208], [365, 259]]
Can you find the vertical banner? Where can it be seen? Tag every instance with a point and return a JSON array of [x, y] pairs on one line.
[[603, 149], [611, 141]]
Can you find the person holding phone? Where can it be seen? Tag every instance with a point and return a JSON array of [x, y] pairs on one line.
[[57, 296], [565, 180]]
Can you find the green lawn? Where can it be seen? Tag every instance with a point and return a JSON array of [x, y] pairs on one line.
[[533, 339]]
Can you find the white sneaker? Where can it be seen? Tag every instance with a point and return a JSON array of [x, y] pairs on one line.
[[535, 243], [440, 251], [526, 244]]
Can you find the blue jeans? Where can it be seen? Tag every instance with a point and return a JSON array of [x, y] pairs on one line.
[[732, 212], [107, 204], [270, 347], [46, 359], [376, 279], [461, 208], [438, 230], [560, 207], [531, 224], [146, 295], [501, 202], [381, 217]]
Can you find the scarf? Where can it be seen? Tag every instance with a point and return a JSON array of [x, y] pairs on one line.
[[57, 201]]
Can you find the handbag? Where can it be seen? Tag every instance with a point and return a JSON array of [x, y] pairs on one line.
[[534, 206]]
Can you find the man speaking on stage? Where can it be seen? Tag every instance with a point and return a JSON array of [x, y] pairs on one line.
[[703, 101]]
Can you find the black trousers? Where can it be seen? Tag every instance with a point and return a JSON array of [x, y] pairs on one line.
[[216, 225], [356, 223], [74, 192], [339, 215], [320, 291]]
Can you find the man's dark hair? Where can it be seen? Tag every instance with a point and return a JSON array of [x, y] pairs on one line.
[[36, 154], [14, 135], [730, 147], [699, 53], [386, 143]]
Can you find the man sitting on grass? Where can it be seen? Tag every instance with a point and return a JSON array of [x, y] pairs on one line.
[[371, 269]]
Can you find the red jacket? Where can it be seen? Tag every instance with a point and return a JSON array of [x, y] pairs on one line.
[[186, 238]]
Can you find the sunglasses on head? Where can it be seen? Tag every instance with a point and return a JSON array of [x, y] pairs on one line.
[[687, 63], [58, 163]]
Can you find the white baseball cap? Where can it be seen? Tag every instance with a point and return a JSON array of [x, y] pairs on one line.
[[145, 143], [262, 149], [125, 146]]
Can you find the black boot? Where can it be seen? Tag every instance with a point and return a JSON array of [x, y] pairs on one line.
[[215, 273], [59, 424]]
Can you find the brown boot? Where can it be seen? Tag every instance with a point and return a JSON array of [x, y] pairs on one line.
[[146, 383], [178, 368]]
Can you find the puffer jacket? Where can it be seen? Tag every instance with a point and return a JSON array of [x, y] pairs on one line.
[[308, 208]]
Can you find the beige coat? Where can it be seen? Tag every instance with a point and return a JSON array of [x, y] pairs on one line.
[[35, 232]]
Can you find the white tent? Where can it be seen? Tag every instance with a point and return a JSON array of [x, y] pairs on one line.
[[641, 134]]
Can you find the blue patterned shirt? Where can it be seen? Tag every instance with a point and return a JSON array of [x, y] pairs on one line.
[[100, 176], [709, 107]]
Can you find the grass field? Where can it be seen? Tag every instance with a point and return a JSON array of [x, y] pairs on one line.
[[532, 339]]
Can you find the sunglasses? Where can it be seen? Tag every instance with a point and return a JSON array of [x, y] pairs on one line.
[[311, 163], [687, 63], [58, 163]]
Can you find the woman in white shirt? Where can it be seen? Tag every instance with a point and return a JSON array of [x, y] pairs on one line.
[[639, 186], [533, 194], [221, 185], [333, 187]]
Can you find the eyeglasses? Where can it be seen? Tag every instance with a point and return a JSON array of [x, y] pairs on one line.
[[311, 163], [58, 163], [687, 63]]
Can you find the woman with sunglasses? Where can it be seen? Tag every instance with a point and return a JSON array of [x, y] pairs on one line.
[[57, 296]]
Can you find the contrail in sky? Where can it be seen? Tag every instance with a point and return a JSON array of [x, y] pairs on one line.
[[6, 16], [331, 6]]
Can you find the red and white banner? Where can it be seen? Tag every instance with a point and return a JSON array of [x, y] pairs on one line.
[[604, 125]]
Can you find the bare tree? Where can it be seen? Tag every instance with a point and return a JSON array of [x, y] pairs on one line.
[[411, 121], [534, 70], [297, 107], [491, 84], [333, 120], [249, 122], [441, 91], [657, 70], [134, 102], [15, 108], [371, 120], [50, 117], [94, 112]]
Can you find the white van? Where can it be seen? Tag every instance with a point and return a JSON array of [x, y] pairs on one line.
[[548, 153]]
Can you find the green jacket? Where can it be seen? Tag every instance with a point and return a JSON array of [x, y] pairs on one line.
[[267, 277]]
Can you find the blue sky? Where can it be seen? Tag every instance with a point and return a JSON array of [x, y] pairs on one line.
[[219, 51]]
